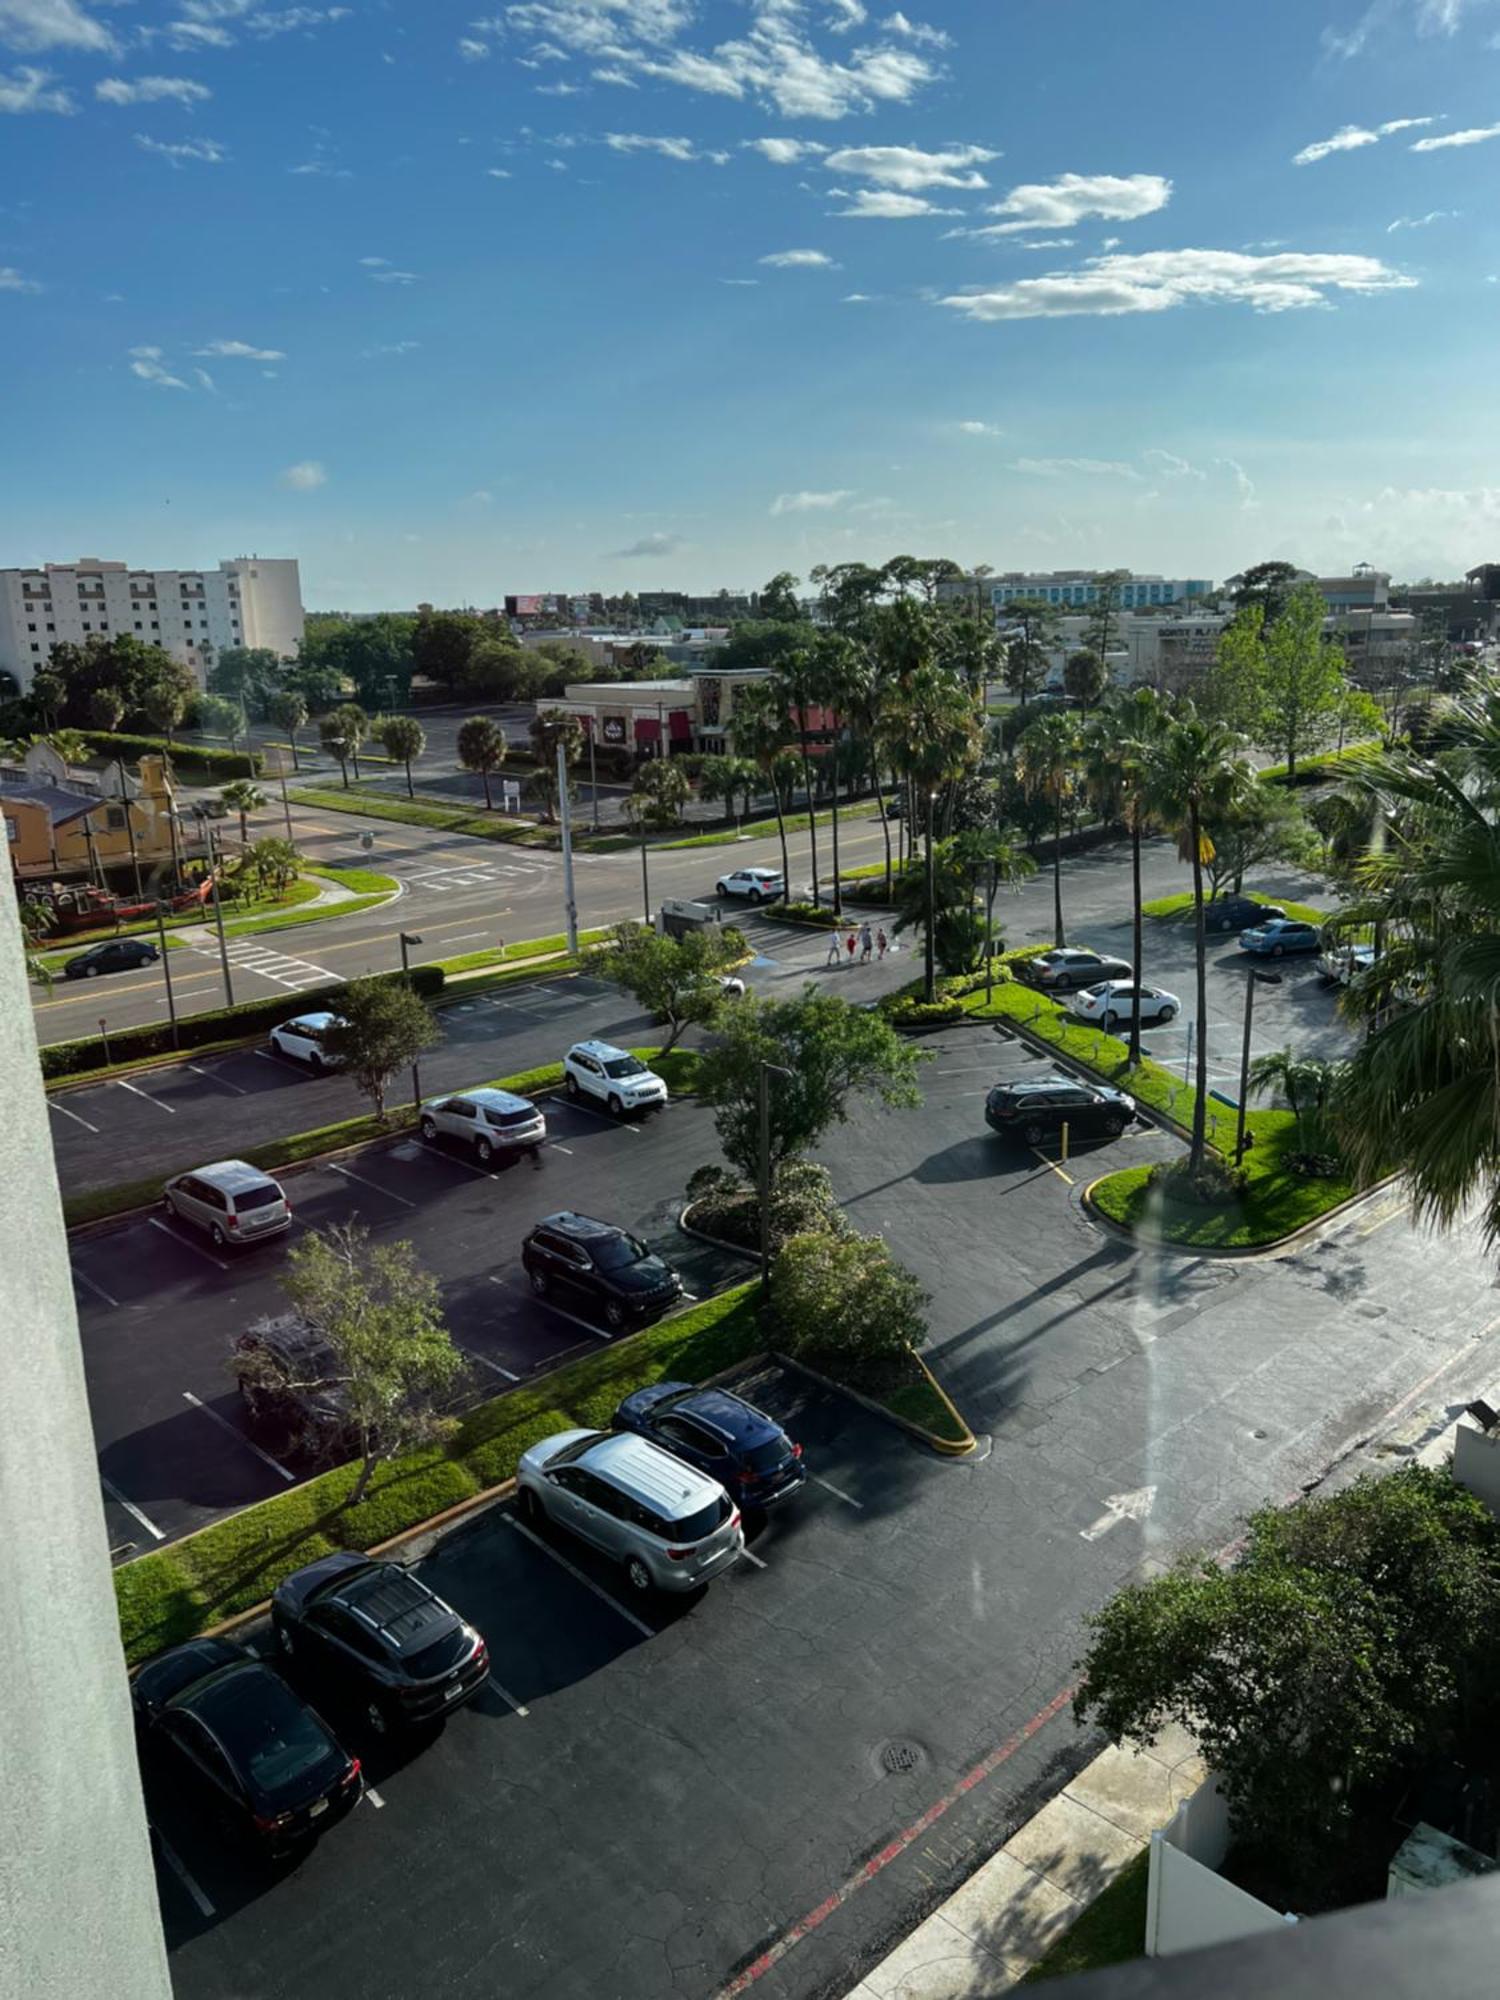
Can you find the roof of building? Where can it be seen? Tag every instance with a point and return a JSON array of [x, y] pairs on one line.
[[60, 807]]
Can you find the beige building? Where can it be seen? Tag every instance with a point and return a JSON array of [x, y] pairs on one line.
[[62, 824]]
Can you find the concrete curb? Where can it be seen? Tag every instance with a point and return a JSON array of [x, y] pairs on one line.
[[718, 1242], [945, 1447], [1240, 1251]]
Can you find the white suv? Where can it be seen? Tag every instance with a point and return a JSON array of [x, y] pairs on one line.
[[614, 1076], [756, 885]]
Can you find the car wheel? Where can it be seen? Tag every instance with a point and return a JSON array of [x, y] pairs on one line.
[[721, 888], [1111, 1022], [756, 896], [316, 1062], [429, 1128], [541, 1284], [530, 1507], [614, 1314], [1114, 1125], [485, 1151], [377, 1719], [1167, 1014], [1278, 951], [1033, 1134], [216, 1236], [572, 1084], [91, 972], [615, 1105], [638, 1576]]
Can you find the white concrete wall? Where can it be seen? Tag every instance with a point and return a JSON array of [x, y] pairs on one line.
[[271, 598], [1476, 1462], [1188, 1904]]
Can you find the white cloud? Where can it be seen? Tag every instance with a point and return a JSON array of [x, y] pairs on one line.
[[616, 77], [205, 381], [186, 37], [811, 503], [288, 20], [390, 277], [972, 427], [30, 25], [499, 173], [28, 89], [305, 475], [1071, 198], [375, 263], [1475, 136], [1244, 484], [917, 31], [640, 142], [847, 16], [858, 298], [1167, 465], [798, 259], [784, 152], [389, 347], [649, 547], [908, 168], [237, 350], [1422, 221], [1161, 279], [146, 363], [885, 205], [11, 280], [151, 90], [739, 281], [560, 90], [175, 152], [1059, 468], [473, 51], [1353, 138], [482, 497]]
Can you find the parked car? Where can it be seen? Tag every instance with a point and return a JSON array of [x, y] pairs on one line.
[[1236, 913], [262, 1761], [1341, 963], [756, 885], [374, 1632], [731, 986], [1037, 1106], [233, 1202], [1061, 970], [721, 1434], [491, 1121], [610, 1269], [670, 1526], [1279, 936], [614, 1076], [114, 955], [304, 1039], [289, 1379], [1112, 1003]]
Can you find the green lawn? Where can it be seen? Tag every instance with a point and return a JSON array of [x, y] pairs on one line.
[[1179, 909], [1111, 1930], [456, 819], [760, 829]]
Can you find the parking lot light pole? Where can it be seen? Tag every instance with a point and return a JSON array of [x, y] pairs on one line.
[[929, 987], [767, 1071], [410, 938], [206, 828], [166, 969], [1255, 979]]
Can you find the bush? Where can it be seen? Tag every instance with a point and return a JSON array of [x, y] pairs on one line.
[[801, 1199], [817, 914], [186, 758], [844, 1297], [909, 1012], [1216, 1184], [60, 1059]]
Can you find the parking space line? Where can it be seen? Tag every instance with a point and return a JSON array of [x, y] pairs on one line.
[[751, 1557], [373, 1186], [239, 1436], [131, 1509], [578, 1576], [602, 1111], [63, 1112], [170, 1856], [430, 1146], [598, 1332], [82, 1278], [186, 1242], [560, 1149], [837, 1491], [485, 1362], [120, 1084], [210, 1076], [375, 1799], [518, 1707], [1061, 1175]]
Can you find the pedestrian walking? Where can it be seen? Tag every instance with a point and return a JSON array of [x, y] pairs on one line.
[[882, 943], [835, 943], [866, 943], [849, 943]]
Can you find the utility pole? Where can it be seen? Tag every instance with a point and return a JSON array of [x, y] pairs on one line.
[[213, 877], [135, 859], [166, 969], [593, 780], [1255, 979], [410, 938], [929, 977], [564, 810], [767, 1071]]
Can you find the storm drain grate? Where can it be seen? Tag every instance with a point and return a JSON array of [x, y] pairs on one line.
[[900, 1757]]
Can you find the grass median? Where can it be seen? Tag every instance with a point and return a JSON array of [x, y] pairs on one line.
[[455, 819], [1179, 909]]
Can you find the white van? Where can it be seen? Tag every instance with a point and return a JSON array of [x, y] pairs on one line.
[[303, 1039]]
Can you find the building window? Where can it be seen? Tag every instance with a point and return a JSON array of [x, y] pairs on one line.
[[36, 646], [50, 626], [86, 626], [137, 624], [155, 624], [31, 628], [114, 818]]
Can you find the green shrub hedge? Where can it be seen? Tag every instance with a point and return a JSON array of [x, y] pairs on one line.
[[211, 765], [60, 1059]]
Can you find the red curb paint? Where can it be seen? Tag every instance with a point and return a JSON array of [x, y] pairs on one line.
[[757, 1969]]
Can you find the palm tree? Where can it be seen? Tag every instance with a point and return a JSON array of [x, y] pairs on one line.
[[762, 733], [482, 745], [1195, 767], [1306, 1082], [838, 675], [933, 734], [288, 711], [244, 796], [402, 737], [1119, 752], [1046, 760], [995, 857], [798, 676]]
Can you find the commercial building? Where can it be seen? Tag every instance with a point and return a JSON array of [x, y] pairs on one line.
[[62, 824], [1470, 610], [695, 712], [1074, 589], [193, 614]]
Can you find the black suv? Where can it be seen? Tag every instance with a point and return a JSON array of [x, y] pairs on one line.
[[1238, 913], [288, 1378], [380, 1637], [1041, 1105], [748, 1452], [613, 1270]]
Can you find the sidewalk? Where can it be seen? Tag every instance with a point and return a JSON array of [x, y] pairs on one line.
[[995, 1928]]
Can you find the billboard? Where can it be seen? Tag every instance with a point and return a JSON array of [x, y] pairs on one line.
[[545, 606]]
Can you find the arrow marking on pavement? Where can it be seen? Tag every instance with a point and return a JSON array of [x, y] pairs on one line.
[[1121, 1507]]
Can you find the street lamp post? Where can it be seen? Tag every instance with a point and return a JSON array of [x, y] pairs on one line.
[[1255, 979], [411, 938], [593, 780], [339, 745], [767, 1071], [206, 827], [930, 980], [166, 968]]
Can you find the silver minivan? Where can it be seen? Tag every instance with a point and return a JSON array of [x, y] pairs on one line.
[[491, 1121], [231, 1201], [669, 1526]]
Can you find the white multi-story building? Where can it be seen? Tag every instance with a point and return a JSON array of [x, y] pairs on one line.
[[1075, 589], [193, 614]]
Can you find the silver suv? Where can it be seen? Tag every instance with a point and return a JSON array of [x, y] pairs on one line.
[[614, 1076], [232, 1201], [492, 1121], [671, 1527]]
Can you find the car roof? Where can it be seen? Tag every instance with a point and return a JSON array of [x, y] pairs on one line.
[[236, 1703], [1024, 1086], [596, 1048], [496, 1100], [735, 1420], [757, 870], [567, 1222], [289, 1336], [394, 1603], [184, 1666], [311, 1021], [649, 1474], [233, 1175]]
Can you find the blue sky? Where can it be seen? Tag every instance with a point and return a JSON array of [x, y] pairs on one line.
[[629, 293]]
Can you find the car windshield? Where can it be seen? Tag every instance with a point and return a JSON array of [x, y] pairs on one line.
[[256, 1197], [614, 1253], [268, 1733], [624, 1066]]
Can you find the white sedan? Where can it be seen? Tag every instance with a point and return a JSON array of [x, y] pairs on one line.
[[756, 885], [1111, 1004]]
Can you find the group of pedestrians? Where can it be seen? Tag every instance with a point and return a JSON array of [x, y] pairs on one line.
[[843, 944]]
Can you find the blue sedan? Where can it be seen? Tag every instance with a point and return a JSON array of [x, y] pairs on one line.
[[1279, 936], [721, 1434]]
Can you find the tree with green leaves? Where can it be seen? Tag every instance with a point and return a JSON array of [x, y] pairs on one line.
[[933, 736], [163, 706], [119, 661], [349, 725], [403, 739], [374, 655], [48, 694], [249, 675], [106, 708], [728, 778], [778, 599], [675, 980], [1359, 717], [1307, 1083], [834, 1052], [763, 735], [840, 1297], [482, 747], [552, 729], [1267, 586], [658, 796], [848, 593], [442, 645], [1104, 613], [1233, 690], [288, 710], [272, 862], [381, 1027], [1254, 823], [1085, 678], [217, 715], [500, 670], [1304, 679], [1031, 633], [1046, 763], [244, 797], [1118, 752], [1355, 1637], [382, 1353]]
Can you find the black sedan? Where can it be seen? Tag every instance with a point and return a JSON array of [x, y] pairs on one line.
[[721, 1434], [1035, 1108], [114, 955], [259, 1759]]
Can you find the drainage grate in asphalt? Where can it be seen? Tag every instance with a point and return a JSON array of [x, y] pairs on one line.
[[899, 1757]]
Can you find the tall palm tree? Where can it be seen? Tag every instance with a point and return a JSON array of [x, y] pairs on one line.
[[762, 733], [933, 736], [1193, 770], [833, 678], [797, 679], [1306, 1082], [994, 857], [1120, 749], [1046, 761]]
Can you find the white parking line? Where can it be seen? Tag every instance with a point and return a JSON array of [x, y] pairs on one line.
[[578, 1576], [837, 1491], [186, 1242], [598, 1332], [131, 1509], [431, 1146], [519, 1707], [120, 1084], [375, 1799], [560, 1149], [238, 1436], [169, 1855], [63, 1112], [751, 1557], [485, 1362], [82, 1278], [210, 1076], [373, 1186]]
